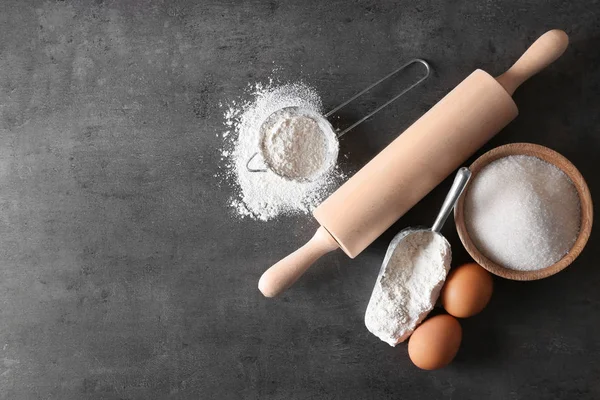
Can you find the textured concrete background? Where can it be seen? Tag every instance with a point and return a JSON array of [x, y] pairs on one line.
[[125, 276]]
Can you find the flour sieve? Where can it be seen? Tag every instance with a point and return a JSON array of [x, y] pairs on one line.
[[330, 137]]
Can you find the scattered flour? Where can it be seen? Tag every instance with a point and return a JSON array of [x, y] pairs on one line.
[[408, 285], [266, 195]]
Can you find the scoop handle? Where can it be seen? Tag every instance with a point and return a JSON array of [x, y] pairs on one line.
[[538, 56], [458, 186], [287, 271]]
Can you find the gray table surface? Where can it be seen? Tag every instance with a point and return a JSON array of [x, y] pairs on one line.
[[123, 273]]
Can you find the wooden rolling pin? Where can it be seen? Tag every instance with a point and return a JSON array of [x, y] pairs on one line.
[[414, 163]]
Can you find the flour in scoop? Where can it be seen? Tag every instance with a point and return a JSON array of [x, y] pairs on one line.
[[267, 195], [408, 285]]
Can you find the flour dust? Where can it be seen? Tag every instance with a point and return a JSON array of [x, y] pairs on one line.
[[267, 195]]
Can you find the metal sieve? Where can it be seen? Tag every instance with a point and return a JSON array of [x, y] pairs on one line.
[[325, 126], [331, 144]]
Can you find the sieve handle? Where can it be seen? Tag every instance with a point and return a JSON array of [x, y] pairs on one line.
[[369, 115], [458, 186]]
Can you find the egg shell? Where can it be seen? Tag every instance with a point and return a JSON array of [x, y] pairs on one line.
[[468, 289], [435, 342]]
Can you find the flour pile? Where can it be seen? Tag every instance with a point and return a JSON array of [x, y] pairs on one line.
[[266, 195], [299, 144], [409, 283]]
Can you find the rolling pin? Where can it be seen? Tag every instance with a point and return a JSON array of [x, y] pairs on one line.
[[413, 164]]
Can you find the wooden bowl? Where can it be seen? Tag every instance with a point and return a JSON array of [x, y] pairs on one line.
[[552, 157]]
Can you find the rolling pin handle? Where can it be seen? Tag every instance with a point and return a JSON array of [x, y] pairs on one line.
[[538, 56], [287, 271]]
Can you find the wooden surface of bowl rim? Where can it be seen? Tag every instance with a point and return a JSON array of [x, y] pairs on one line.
[[564, 165]]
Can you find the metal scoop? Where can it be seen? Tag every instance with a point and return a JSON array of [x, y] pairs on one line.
[[387, 316], [460, 182]]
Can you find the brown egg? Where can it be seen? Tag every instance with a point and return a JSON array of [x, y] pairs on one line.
[[467, 290], [435, 342]]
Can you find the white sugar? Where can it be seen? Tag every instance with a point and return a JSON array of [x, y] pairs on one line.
[[522, 213]]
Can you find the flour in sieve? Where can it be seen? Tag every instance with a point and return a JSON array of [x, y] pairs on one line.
[[408, 285], [266, 195], [299, 144]]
